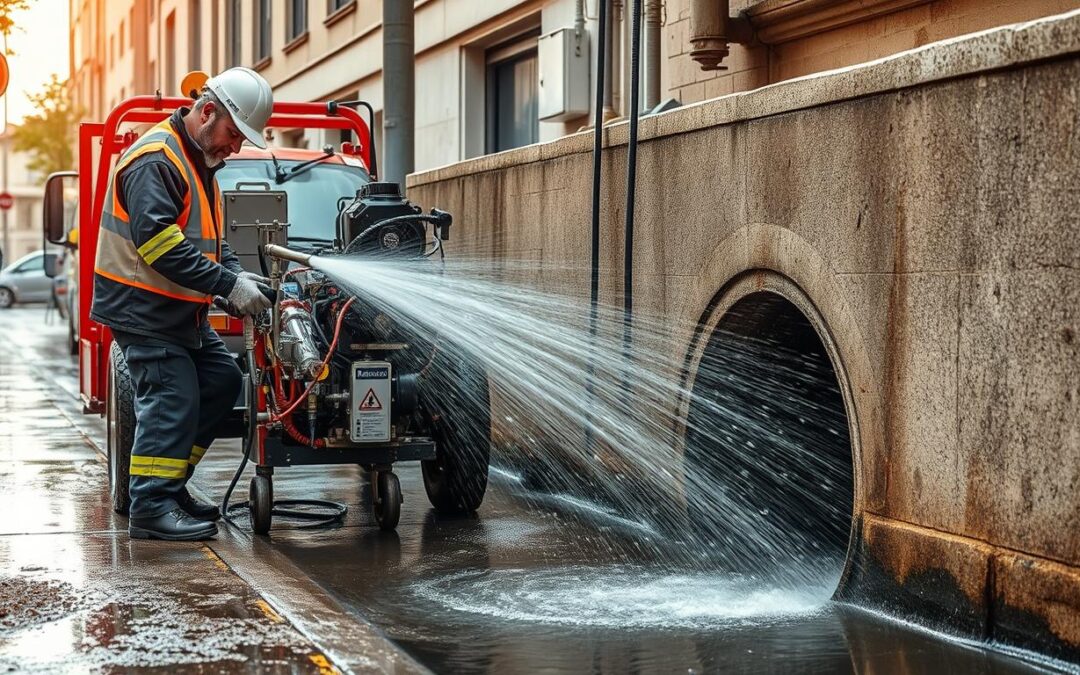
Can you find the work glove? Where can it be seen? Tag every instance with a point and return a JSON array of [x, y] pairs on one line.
[[247, 297], [255, 277]]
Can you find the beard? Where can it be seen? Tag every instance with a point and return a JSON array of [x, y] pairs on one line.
[[204, 138]]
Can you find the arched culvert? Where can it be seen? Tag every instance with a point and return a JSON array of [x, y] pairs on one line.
[[769, 475]]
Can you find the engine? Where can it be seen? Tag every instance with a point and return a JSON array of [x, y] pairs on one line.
[[343, 371]]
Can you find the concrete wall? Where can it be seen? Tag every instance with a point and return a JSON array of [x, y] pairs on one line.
[[924, 208]]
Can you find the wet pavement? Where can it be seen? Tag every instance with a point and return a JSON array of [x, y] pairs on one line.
[[527, 585], [75, 594]]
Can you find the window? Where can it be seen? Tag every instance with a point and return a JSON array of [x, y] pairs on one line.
[[235, 53], [313, 195], [334, 5], [262, 30], [512, 118], [112, 51], [30, 264], [194, 34], [131, 22], [297, 19], [170, 56], [121, 40]]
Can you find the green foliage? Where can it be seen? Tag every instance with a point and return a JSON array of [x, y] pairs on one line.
[[49, 134], [7, 8]]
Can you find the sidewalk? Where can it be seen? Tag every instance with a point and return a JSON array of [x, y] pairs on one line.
[[75, 594]]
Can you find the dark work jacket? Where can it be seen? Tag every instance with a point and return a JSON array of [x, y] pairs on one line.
[[151, 190]]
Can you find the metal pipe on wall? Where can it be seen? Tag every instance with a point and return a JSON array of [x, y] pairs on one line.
[[606, 52], [712, 28], [617, 60], [399, 99], [652, 53]]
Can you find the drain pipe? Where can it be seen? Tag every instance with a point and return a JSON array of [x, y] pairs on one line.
[[712, 28], [399, 100], [617, 60], [652, 54], [605, 56], [631, 176]]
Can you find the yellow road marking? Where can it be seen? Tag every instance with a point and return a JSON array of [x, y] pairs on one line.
[[218, 562], [323, 664], [269, 611]]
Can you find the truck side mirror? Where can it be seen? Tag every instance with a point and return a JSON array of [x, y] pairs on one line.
[[53, 224]]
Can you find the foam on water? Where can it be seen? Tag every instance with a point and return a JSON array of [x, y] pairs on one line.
[[623, 597]]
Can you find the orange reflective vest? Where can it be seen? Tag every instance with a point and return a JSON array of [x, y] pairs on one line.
[[121, 261]]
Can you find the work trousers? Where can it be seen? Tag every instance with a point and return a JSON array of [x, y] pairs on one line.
[[181, 398]]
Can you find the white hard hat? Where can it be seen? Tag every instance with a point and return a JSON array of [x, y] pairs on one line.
[[247, 97]]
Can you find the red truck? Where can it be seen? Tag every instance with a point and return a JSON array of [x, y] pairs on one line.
[[331, 196]]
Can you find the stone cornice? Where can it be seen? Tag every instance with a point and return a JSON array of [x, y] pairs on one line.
[[777, 21]]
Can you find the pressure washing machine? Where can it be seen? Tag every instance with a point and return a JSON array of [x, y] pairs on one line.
[[333, 378]]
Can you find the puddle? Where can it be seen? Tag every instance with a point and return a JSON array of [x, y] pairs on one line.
[[618, 597]]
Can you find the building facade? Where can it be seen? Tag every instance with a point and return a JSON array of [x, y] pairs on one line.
[[20, 226], [478, 65]]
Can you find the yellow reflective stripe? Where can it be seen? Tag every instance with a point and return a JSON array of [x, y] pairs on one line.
[[196, 455], [158, 467], [160, 244]]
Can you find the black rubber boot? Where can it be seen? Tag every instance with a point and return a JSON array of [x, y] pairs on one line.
[[196, 509], [176, 525]]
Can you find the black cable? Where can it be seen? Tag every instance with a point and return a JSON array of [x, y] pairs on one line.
[[598, 143], [414, 217], [631, 180], [335, 511]]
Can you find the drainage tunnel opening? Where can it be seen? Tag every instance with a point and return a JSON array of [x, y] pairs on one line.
[[769, 468]]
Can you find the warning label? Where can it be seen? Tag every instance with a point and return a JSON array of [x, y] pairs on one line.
[[370, 414], [370, 402]]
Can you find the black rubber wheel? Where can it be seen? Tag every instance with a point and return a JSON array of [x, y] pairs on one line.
[[387, 494], [261, 504], [7, 298], [459, 411], [120, 432]]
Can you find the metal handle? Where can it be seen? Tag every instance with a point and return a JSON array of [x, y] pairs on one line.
[[253, 183]]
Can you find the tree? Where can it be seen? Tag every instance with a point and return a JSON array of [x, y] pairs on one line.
[[49, 134], [7, 8]]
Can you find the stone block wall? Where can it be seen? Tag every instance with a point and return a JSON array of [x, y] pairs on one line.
[[925, 208]]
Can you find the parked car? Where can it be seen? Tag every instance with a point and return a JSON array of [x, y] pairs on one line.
[[25, 281]]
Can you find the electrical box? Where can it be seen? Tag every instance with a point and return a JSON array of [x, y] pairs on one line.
[[564, 74]]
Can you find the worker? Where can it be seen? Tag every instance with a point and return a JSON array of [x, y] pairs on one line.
[[160, 263]]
